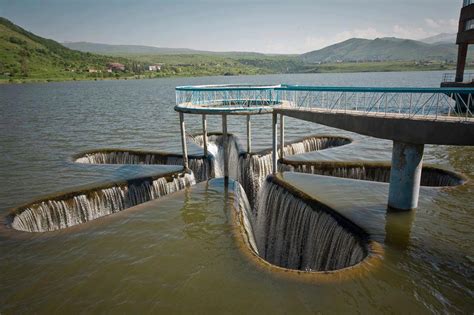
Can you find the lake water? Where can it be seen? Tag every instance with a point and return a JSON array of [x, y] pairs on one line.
[[178, 254]]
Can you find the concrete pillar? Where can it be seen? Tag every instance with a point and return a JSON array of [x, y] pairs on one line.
[[405, 176], [462, 53], [204, 134], [226, 147], [249, 135], [282, 135], [274, 143], [183, 141]]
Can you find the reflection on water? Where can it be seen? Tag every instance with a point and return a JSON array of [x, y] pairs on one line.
[[397, 229], [178, 254]]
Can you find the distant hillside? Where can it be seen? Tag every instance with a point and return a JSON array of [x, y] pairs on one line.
[[382, 49], [26, 55], [126, 50], [440, 38]]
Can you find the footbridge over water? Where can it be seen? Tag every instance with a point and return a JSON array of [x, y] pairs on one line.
[[410, 117]]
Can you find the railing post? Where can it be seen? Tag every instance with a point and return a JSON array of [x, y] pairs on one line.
[[183, 141], [204, 134], [274, 143], [282, 136], [249, 135], [226, 147]]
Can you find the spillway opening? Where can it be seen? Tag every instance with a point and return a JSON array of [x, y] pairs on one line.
[[69, 209], [292, 232], [431, 176], [202, 167]]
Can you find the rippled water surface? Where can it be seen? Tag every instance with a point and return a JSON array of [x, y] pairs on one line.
[[178, 254]]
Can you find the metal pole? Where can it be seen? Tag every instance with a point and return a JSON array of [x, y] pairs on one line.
[[226, 147], [274, 142], [249, 135], [282, 135], [183, 141], [204, 134]]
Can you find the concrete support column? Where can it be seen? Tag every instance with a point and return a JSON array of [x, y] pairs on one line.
[[462, 53], [274, 143], [226, 147], [204, 134], [183, 141], [282, 135], [405, 176], [249, 135]]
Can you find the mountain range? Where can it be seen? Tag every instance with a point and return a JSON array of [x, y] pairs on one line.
[[383, 49], [440, 47]]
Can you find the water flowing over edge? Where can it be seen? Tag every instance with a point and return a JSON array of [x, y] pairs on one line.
[[202, 167], [431, 176], [79, 207], [292, 234], [300, 238]]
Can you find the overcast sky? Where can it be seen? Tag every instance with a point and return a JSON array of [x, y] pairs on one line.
[[292, 26]]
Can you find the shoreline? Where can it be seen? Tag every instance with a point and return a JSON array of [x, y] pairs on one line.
[[143, 77]]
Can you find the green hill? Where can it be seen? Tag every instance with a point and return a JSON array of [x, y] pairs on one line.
[[26, 55], [113, 50], [382, 49]]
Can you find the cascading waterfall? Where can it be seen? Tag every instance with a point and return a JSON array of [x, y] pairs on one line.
[[59, 213], [314, 144], [201, 167], [252, 169], [245, 216], [292, 234], [430, 176], [215, 146]]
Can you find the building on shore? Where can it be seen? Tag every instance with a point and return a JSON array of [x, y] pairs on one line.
[[115, 66], [155, 67]]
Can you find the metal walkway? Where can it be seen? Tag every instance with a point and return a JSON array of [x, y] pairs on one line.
[[410, 117]]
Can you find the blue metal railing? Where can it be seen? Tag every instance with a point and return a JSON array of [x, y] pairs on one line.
[[451, 77], [407, 102]]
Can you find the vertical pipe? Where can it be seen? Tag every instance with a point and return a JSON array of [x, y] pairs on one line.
[[274, 143], [282, 135], [183, 141], [226, 147], [405, 176], [249, 135], [204, 133]]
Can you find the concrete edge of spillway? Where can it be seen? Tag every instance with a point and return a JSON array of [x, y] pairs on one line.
[[59, 211], [200, 165], [373, 257], [432, 176]]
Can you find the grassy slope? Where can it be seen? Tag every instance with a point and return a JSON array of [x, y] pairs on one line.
[[386, 66], [27, 56]]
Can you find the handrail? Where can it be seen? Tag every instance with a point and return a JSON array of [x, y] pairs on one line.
[[226, 87], [285, 87], [453, 103]]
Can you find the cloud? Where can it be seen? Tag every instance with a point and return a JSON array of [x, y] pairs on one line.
[[430, 27], [445, 26], [410, 33]]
